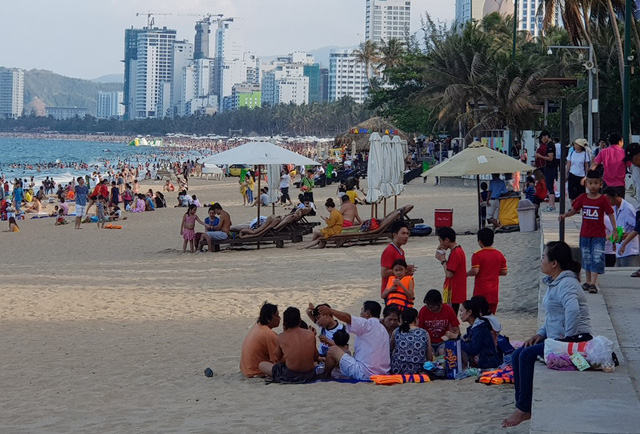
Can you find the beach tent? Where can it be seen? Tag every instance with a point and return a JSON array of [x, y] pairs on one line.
[[259, 154], [477, 159]]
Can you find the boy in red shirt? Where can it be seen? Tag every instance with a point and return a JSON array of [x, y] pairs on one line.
[[454, 290], [594, 206], [487, 265], [439, 320]]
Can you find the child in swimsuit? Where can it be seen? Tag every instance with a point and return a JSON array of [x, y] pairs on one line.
[[187, 229], [13, 226]]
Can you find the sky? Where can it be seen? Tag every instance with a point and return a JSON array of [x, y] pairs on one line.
[[85, 38]]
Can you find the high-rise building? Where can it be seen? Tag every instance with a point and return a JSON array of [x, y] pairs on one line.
[[386, 19], [229, 59], [347, 76], [182, 57], [201, 40], [313, 73], [110, 105], [528, 18], [146, 69], [324, 84], [246, 95], [285, 84], [11, 93]]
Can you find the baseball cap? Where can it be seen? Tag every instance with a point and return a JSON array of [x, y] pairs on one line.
[[631, 151]]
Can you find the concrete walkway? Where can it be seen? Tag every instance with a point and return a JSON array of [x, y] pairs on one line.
[[593, 401]]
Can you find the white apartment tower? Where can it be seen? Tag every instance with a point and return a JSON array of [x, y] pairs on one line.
[[110, 105], [183, 52], [347, 76], [285, 84], [386, 19], [151, 67], [11, 93], [528, 18], [229, 58]]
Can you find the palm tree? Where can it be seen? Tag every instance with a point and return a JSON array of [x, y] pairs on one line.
[[391, 53], [367, 55]]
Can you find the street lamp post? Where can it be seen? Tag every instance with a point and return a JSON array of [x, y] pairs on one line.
[[590, 70], [515, 30], [626, 89]]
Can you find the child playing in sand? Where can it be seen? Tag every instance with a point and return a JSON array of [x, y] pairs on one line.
[[328, 327], [60, 220], [101, 206], [400, 287], [55, 212], [187, 228], [594, 207]]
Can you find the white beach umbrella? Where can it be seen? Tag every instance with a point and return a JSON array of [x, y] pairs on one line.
[[397, 163], [387, 168], [273, 175], [259, 154], [374, 168]]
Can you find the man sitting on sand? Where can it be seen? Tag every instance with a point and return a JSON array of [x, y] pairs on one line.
[[371, 355], [349, 212], [219, 231], [260, 343], [295, 350]]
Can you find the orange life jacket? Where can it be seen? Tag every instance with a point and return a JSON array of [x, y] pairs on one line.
[[399, 298]]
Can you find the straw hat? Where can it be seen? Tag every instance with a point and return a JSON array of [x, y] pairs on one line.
[[582, 143]]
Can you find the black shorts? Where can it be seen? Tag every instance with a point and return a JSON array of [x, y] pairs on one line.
[[282, 374]]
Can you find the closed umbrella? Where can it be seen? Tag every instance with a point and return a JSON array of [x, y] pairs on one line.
[[374, 168], [397, 163], [273, 176], [477, 159], [387, 168]]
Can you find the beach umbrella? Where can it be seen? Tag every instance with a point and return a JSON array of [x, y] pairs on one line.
[[273, 182], [387, 168], [477, 159], [375, 168], [397, 165], [259, 154]]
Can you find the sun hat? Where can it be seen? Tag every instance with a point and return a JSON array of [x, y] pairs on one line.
[[581, 142]]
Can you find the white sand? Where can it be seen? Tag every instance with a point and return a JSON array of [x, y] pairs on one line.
[[110, 330]]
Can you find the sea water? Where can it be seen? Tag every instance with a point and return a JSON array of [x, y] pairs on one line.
[[27, 151]]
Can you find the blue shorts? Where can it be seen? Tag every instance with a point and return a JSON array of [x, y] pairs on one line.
[[592, 250]]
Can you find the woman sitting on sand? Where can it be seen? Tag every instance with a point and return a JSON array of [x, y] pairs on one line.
[[35, 207], [478, 344], [566, 318], [334, 225], [410, 345], [13, 226], [140, 204]]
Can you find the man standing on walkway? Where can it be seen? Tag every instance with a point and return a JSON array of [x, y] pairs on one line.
[[550, 169], [399, 237], [615, 169]]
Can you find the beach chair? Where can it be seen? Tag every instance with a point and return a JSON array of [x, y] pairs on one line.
[[248, 236], [381, 232]]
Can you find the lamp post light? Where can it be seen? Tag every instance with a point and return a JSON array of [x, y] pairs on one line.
[[515, 30], [589, 66]]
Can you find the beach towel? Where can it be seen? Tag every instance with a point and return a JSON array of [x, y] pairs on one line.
[[497, 376], [388, 380]]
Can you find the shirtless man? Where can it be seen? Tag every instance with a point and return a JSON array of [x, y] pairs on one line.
[[349, 213], [168, 186], [219, 231], [296, 352]]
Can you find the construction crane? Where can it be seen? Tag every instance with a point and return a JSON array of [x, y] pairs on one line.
[[150, 15], [206, 17]]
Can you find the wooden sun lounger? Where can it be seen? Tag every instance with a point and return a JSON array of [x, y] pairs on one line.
[[383, 231], [404, 211]]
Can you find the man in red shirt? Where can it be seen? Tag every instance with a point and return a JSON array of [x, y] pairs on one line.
[[487, 265], [438, 320], [615, 166], [454, 290], [399, 237]]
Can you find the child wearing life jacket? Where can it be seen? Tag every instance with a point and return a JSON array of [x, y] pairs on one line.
[[400, 287]]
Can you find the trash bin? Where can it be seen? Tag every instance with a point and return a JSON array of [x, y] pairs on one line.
[[443, 218], [527, 216]]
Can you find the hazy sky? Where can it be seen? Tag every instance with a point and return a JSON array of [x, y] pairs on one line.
[[85, 38]]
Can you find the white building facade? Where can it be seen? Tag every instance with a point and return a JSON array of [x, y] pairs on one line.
[[110, 105], [11, 93], [347, 76], [230, 67], [386, 19]]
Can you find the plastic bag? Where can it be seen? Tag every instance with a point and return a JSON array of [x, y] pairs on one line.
[[599, 353], [560, 362], [552, 346]]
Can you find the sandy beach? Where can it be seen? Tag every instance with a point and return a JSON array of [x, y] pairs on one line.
[[110, 330]]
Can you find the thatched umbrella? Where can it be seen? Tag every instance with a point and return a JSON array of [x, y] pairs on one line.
[[360, 133]]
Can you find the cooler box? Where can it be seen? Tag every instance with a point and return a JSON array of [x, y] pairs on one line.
[[443, 218], [508, 215]]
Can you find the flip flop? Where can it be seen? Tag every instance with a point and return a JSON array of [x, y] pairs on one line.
[[585, 286], [635, 273], [593, 289]]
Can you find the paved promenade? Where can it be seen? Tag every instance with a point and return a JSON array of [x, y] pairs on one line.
[[595, 402]]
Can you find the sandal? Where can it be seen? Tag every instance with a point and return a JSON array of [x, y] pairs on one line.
[[585, 286], [635, 273], [593, 289]]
